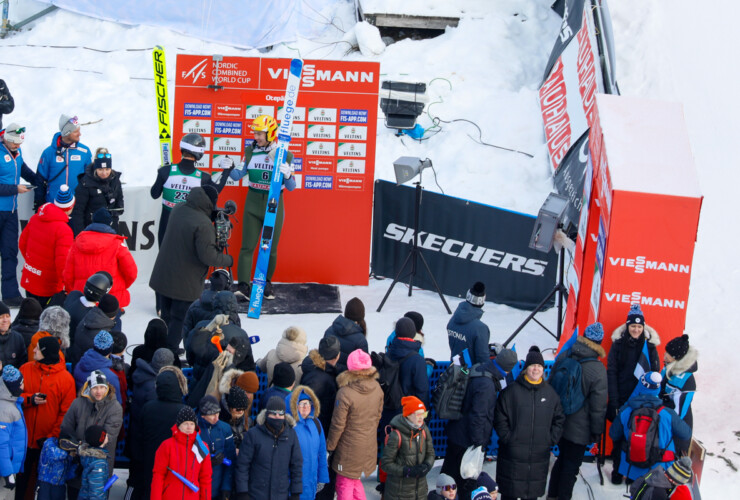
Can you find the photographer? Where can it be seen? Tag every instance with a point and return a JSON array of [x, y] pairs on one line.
[[188, 249], [98, 187]]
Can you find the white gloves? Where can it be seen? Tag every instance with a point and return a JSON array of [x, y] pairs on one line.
[[218, 321], [226, 162], [286, 170]]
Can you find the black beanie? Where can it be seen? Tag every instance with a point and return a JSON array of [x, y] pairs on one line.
[[209, 405], [417, 318], [220, 280], [186, 414], [405, 329], [120, 341], [477, 294], [276, 405], [534, 357], [678, 347], [237, 399], [283, 375], [109, 305], [49, 347], [30, 309], [102, 216], [4, 309], [329, 347], [95, 435]]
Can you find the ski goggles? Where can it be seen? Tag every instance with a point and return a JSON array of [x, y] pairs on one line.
[[21, 130], [103, 155], [449, 487]]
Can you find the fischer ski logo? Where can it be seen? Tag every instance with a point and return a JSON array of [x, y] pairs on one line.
[[163, 110], [197, 72]]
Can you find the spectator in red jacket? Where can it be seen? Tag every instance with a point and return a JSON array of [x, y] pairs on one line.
[[99, 248], [48, 392], [44, 244], [186, 455]]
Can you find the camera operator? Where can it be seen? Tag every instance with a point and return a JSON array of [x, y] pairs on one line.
[[187, 251]]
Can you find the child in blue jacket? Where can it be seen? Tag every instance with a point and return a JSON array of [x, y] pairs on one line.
[[12, 426], [55, 468], [94, 461], [220, 440]]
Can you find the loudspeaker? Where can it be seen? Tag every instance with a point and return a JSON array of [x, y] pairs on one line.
[[548, 221]]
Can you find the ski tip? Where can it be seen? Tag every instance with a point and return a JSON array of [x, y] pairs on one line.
[[158, 47]]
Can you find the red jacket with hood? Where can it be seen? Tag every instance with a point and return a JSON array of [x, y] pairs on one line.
[[99, 248], [44, 244], [177, 453]]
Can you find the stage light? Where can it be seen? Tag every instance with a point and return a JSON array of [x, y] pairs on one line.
[[402, 103]]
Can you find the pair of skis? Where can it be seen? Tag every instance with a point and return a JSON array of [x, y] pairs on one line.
[[276, 183]]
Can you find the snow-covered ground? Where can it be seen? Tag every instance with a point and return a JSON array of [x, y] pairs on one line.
[[487, 70]]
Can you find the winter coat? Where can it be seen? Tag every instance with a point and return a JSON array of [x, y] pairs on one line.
[[93, 193], [77, 307], [220, 441], [354, 424], [312, 440], [413, 370], [26, 327], [479, 404], [271, 391], [84, 336], [291, 348], [188, 248], [269, 466], [55, 464], [679, 385], [202, 309], [12, 168], [12, 349], [406, 447], [58, 157], [91, 361], [176, 453], [465, 330], [420, 338], [670, 428], [85, 411], [529, 421], [56, 382], [95, 473], [587, 424], [200, 351], [13, 436], [321, 377], [160, 414], [623, 356], [99, 248], [45, 244], [144, 388], [350, 335]]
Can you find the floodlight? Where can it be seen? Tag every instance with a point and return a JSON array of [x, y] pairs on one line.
[[408, 167]]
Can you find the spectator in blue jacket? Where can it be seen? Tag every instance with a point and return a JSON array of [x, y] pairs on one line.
[[12, 428], [55, 468], [413, 369], [465, 330], [62, 161], [671, 427], [350, 329], [94, 461], [418, 320], [283, 381], [679, 385], [220, 440], [305, 408], [12, 168], [98, 358]]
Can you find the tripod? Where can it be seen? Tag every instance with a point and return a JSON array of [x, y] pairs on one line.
[[412, 258], [560, 289]]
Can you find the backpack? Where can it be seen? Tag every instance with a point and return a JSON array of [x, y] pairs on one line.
[[642, 489], [642, 448], [389, 371], [449, 393], [567, 380]]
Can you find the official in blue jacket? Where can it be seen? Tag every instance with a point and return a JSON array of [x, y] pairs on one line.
[[63, 161], [305, 408], [466, 330], [220, 440], [13, 435], [671, 427]]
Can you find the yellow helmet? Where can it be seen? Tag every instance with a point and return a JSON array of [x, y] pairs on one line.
[[265, 123]]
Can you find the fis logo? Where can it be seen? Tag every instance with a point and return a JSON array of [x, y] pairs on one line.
[[197, 72]]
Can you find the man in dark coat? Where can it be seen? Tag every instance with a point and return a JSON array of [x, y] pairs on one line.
[[12, 345], [203, 307], [27, 321], [476, 426], [78, 303], [188, 249], [268, 451], [100, 317], [350, 329], [155, 337], [465, 330], [98, 187], [529, 421], [586, 425]]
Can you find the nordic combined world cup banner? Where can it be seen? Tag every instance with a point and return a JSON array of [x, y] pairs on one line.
[[463, 242], [327, 227]]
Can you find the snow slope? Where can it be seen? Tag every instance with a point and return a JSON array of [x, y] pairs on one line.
[[487, 70]]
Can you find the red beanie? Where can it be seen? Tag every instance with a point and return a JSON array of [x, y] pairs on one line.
[[411, 404]]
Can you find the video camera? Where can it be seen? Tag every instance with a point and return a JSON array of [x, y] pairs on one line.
[[223, 225]]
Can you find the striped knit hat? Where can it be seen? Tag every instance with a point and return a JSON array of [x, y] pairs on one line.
[[680, 471], [64, 197]]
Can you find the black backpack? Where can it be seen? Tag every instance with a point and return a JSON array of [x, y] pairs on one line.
[[567, 380], [389, 378], [642, 446], [651, 486], [449, 393]]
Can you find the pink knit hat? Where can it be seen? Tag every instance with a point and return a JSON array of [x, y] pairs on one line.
[[358, 360]]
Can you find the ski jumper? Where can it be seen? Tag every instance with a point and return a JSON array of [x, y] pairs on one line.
[[258, 166]]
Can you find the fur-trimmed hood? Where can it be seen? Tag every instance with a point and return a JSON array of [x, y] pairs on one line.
[[318, 361], [260, 420], [228, 380], [688, 363], [600, 352], [297, 391], [181, 380], [350, 377], [649, 332]]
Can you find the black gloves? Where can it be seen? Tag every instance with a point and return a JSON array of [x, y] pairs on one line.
[[217, 459], [611, 413], [10, 482], [242, 496], [420, 470]]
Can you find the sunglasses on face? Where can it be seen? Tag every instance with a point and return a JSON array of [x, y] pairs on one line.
[[103, 155], [449, 487]]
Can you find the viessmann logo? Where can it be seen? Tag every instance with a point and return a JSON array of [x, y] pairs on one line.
[[311, 75], [197, 72], [641, 264], [639, 298]]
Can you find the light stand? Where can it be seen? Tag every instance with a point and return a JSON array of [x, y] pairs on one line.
[[407, 168], [543, 236]]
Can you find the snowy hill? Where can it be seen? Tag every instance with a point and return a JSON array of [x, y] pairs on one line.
[[487, 70]]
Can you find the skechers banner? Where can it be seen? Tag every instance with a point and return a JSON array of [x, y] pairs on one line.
[[463, 242]]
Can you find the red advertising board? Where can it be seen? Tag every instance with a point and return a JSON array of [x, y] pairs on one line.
[[327, 229], [642, 220]]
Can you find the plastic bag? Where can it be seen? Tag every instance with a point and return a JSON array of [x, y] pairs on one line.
[[472, 462]]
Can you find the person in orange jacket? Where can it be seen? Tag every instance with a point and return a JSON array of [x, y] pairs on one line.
[[49, 390], [183, 457]]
